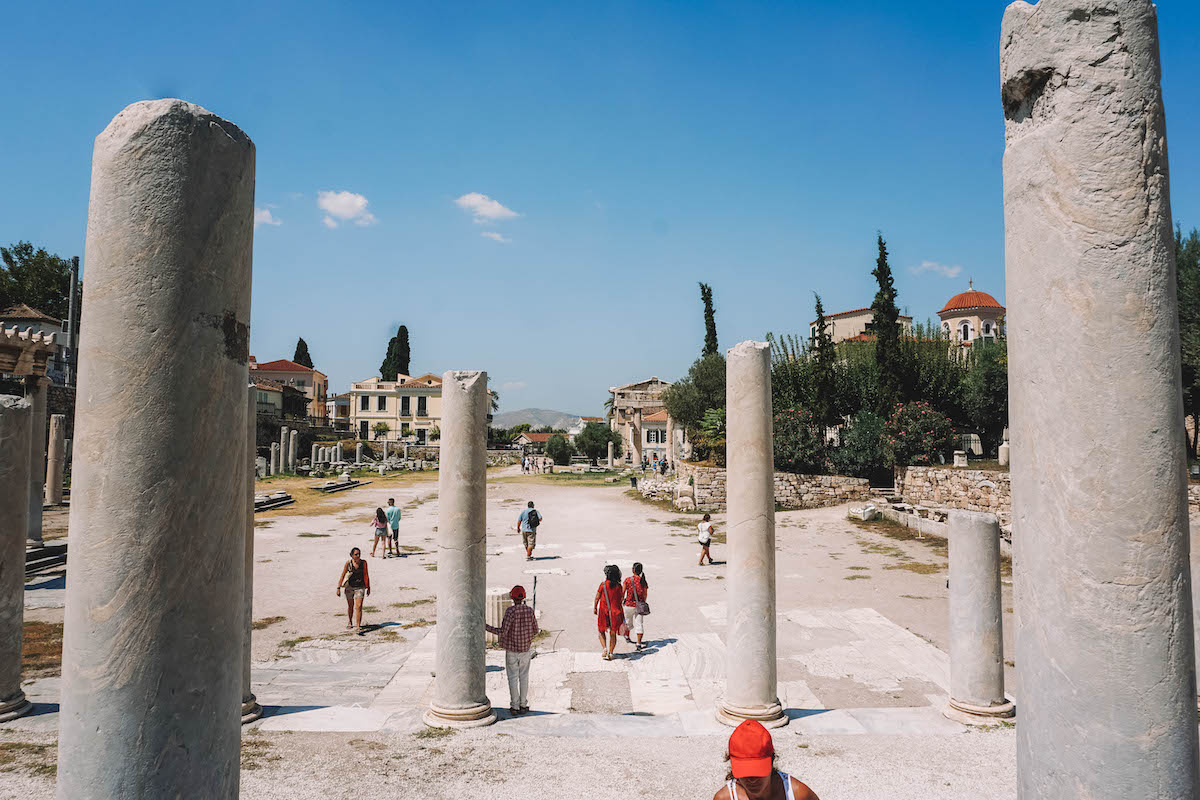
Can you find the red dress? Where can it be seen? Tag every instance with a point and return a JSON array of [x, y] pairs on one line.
[[610, 610]]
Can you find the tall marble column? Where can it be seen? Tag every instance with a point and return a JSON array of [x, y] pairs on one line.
[[459, 695], [358, 450], [293, 443], [14, 490], [976, 620], [283, 449], [56, 459], [312, 459], [275, 470], [152, 651], [610, 455], [637, 436], [250, 709], [1106, 679], [36, 389], [670, 440], [751, 685], [385, 449]]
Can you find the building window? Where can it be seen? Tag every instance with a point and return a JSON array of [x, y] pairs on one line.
[[946, 328], [363, 429], [964, 331], [381, 403], [405, 406], [987, 328], [421, 434], [422, 407], [364, 403]]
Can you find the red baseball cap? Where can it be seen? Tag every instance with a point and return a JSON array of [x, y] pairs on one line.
[[751, 751], [517, 593]]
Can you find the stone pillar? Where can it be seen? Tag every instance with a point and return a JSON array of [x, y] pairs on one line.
[[275, 470], [312, 459], [637, 436], [250, 709], [385, 449], [629, 440], [14, 489], [1002, 451], [459, 695], [671, 440], [35, 390], [960, 458], [610, 455], [56, 459], [338, 452], [293, 443], [1105, 673], [358, 448], [976, 620], [152, 652], [283, 449], [751, 689]]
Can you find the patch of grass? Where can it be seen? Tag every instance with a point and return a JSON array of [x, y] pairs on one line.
[[915, 597], [412, 548], [414, 603], [894, 530], [390, 635], [431, 567], [1010, 664], [918, 567], [288, 644], [266, 622], [434, 733], [858, 568], [263, 523], [41, 650], [312, 503], [264, 561], [857, 578], [313, 535], [40, 760], [406, 588], [370, 610], [420, 623], [541, 636], [681, 523], [256, 750]]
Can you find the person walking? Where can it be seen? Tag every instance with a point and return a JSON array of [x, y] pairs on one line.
[[706, 534], [380, 525], [393, 518], [608, 608], [752, 774], [516, 633], [355, 580], [527, 526], [636, 591]]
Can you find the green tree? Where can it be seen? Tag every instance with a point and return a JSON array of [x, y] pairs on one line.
[[823, 400], [703, 388], [710, 320], [1187, 288], [791, 372], [559, 449], [593, 441], [379, 428], [885, 325], [302, 357], [917, 433], [396, 361], [517, 430], [799, 443], [36, 278], [709, 443], [861, 450], [985, 391]]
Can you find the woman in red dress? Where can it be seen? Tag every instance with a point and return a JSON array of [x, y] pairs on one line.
[[609, 610]]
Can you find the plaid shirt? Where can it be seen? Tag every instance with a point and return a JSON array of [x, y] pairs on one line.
[[517, 630]]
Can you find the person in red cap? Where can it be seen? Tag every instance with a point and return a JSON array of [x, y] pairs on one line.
[[516, 633], [752, 774]]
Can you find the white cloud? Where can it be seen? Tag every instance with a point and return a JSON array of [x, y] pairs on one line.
[[945, 270], [496, 237], [484, 208], [263, 216], [513, 386], [345, 207]]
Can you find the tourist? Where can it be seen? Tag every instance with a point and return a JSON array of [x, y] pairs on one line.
[[516, 633], [636, 590], [393, 516], [662, 467], [610, 617], [380, 525], [706, 534], [356, 580], [752, 774], [527, 526]]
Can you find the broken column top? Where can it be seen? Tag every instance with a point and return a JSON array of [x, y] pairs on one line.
[[747, 347], [139, 119]]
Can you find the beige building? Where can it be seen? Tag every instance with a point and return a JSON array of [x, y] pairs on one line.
[[631, 405], [856, 325], [24, 318], [410, 407], [311, 382], [972, 315]]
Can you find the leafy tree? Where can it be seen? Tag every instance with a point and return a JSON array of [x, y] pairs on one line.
[[36, 278], [559, 449], [985, 391], [916, 433], [703, 388], [1187, 287], [302, 357], [799, 443], [710, 320], [593, 441], [709, 443], [549, 429], [861, 451], [886, 327], [435, 433], [380, 428], [824, 399], [791, 372], [500, 436], [517, 430], [396, 361]]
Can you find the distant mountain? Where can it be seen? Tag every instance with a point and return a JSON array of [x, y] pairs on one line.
[[537, 417]]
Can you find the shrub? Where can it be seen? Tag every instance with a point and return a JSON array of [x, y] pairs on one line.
[[800, 443], [709, 444], [916, 434], [861, 451], [559, 449]]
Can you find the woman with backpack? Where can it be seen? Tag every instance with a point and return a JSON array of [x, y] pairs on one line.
[[609, 610], [636, 590]]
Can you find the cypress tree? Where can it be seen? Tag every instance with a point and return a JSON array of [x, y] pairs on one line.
[[886, 325], [397, 359], [710, 320], [302, 357], [824, 380]]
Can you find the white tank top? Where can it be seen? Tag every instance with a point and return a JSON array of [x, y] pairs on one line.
[[787, 787], [705, 536]]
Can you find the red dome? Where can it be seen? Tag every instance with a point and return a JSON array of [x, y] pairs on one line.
[[971, 299]]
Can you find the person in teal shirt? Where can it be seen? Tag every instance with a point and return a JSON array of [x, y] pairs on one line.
[[393, 516]]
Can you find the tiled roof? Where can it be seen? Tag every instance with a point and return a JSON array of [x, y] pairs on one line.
[[853, 313], [540, 437], [657, 416], [429, 381], [971, 299], [23, 312], [268, 385], [591, 419], [283, 365]]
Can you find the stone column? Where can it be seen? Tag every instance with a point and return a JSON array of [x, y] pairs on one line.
[[275, 470], [1104, 641], [152, 653], [35, 390], [250, 709], [459, 695], [293, 443], [56, 459], [610, 455], [337, 455], [1002, 451], [312, 459], [283, 449], [637, 436], [671, 440], [976, 620], [358, 448], [751, 689], [14, 489], [385, 449], [629, 450]]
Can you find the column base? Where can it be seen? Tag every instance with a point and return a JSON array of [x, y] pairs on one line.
[[968, 714], [18, 706], [771, 716], [474, 717], [251, 710]]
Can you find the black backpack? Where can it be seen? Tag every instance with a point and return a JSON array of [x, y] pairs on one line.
[[535, 519]]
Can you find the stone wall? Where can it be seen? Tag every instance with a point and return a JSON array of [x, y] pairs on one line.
[[950, 487], [791, 491], [1193, 498]]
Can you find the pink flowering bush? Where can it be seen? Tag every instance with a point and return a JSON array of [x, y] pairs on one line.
[[916, 433], [800, 444]]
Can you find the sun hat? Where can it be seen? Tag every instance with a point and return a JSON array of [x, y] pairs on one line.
[[751, 751], [517, 593]]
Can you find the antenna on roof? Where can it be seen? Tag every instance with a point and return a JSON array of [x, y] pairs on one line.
[[970, 283]]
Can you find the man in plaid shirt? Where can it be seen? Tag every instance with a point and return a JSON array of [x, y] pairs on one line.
[[516, 633]]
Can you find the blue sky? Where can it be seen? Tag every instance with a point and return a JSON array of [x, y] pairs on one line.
[[639, 147]]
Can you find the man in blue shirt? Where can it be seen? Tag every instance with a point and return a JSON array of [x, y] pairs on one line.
[[393, 516], [527, 525]]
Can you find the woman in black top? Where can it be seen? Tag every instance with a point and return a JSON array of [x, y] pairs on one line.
[[357, 582]]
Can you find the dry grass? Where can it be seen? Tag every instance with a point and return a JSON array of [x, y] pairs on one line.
[[857, 578], [310, 502], [266, 622], [434, 733], [918, 567], [288, 644], [41, 650], [256, 751], [414, 603], [40, 760], [313, 535]]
